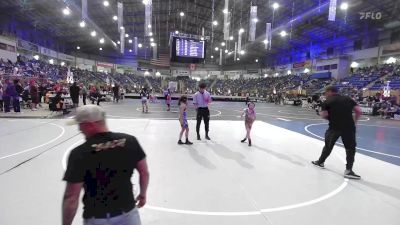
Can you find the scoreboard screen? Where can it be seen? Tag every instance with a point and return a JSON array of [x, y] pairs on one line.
[[189, 48]]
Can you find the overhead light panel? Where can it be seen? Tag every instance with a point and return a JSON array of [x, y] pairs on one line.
[[182, 14], [283, 33], [126, 35], [93, 33], [152, 44], [176, 32], [101, 41], [118, 42], [66, 11], [115, 18], [82, 24], [215, 23], [77, 47], [36, 57], [275, 5], [140, 45], [344, 6], [101, 49], [130, 41], [151, 39], [241, 30], [106, 3], [231, 38]]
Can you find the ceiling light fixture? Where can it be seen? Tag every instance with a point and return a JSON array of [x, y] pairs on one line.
[[66, 11], [344, 6]]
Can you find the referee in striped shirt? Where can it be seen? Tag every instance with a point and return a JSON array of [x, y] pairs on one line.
[[201, 100]]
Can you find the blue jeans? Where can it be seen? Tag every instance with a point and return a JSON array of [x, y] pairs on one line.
[[129, 218]]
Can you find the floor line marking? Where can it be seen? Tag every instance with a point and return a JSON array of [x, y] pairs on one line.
[[362, 149], [283, 119], [36, 147]]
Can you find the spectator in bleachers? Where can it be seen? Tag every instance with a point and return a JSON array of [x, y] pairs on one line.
[[10, 96], [1, 96], [385, 108], [83, 92], [34, 93]]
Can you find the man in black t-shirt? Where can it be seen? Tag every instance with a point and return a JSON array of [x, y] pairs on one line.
[[103, 166], [339, 110], [116, 93], [74, 93]]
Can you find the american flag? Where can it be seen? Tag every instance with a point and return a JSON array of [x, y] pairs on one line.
[[162, 61]]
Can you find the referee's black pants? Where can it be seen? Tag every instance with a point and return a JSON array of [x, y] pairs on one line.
[[202, 113], [349, 142]]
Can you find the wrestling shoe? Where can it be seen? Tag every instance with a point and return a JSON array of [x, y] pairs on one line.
[[317, 164], [351, 175]]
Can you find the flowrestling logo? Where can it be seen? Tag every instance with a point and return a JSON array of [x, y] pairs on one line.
[[370, 15]]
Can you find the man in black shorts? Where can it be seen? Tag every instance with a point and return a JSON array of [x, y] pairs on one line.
[[339, 110], [103, 166]]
